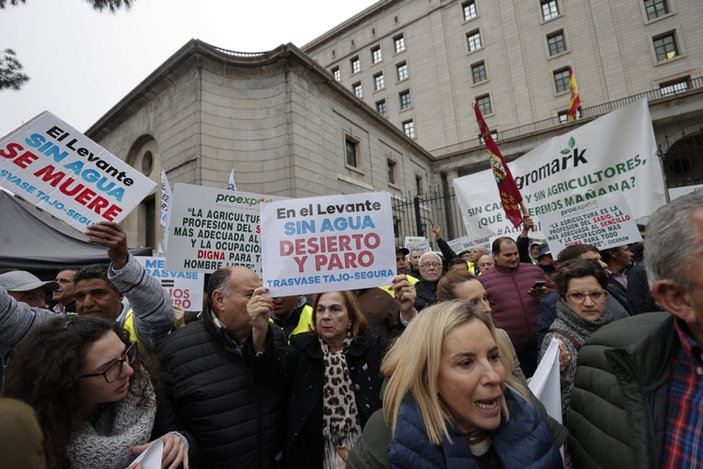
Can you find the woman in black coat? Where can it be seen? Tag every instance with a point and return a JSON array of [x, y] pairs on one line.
[[336, 382]]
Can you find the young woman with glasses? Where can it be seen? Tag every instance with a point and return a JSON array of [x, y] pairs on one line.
[[95, 401], [582, 288]]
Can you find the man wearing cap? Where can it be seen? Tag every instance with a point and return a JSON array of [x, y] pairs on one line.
[[545, 261], [26, 287], [401, 262]]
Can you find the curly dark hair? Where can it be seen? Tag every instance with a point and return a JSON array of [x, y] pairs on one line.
[[44, 371]]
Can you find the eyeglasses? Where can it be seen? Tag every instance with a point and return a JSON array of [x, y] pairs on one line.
[[113, 369], [597, 296], [431, 265]]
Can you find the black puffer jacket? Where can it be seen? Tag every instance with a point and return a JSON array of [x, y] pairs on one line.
[[229, 400], [304, 444]]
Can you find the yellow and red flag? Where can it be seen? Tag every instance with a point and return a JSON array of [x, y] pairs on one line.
[[574, 97], [509, 193]]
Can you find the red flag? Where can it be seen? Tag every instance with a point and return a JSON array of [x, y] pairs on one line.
[[509, 193], [574, 97]]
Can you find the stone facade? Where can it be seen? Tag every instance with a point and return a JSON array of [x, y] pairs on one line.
[[276, 118]]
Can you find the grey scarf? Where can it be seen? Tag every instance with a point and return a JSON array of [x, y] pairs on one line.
[[106, 441]]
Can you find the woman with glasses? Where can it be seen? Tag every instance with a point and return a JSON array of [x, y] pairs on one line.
[[95, 402], [582, 288], [336, 380]]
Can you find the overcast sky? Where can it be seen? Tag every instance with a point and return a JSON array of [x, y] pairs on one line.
[[82, 62]]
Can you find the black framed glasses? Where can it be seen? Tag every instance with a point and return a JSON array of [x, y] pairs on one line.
[[112, 370], [579, 297]]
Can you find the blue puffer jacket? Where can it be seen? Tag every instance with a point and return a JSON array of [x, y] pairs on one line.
[[523, 441]]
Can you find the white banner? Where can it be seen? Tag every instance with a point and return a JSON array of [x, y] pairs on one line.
[[546, 382], [184, 288], [417, 242], [213, 228], [605, 222], [615, 153], [334, 243], [676, 192], [61, 171]]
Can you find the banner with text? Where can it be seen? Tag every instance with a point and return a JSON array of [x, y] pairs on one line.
[[184, 288], [334, 243], [614, 153], [605, 222], [417, 242], [212, 228], [60, 170]]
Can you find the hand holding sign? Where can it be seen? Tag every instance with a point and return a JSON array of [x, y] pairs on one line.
[[259, 307], [113, 238]]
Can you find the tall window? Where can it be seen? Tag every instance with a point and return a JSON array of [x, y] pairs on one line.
[[556, 42], [469, 9], [473, 39], [355, 64], [673, 87], [376, 54], [561, 80], [357, 90], [351, 148], [378, 82], [402, 69], [484, 104], [409, 128], [337, 74], [405, 100], [382, 107], [391, 171], [419, 186], [665, 46], [655, 8], [478, 72], [550, 9], [399, 43]]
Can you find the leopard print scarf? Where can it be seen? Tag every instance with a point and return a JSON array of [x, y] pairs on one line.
[[340, 425]]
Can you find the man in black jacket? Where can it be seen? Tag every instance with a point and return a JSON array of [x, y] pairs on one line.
[[226, 392]]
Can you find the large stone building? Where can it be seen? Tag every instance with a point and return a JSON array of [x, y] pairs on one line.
[[277, 118], [420, 64]]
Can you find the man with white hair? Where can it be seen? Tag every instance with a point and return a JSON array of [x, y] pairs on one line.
[[430, 266], [638, 389]]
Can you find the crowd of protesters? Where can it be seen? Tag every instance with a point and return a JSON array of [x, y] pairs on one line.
[[430, 371]]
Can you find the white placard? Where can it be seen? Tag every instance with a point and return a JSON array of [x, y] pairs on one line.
[[545, 384], [212, 228], [63, 172], [152, 456], [417, 242], [676, 192], [332, 243], [184, 288], [605, 222], [614, 153]]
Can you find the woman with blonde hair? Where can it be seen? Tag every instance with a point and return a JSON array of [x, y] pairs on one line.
[[450, 402]]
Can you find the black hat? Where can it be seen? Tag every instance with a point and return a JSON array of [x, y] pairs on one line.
[[402, 249]]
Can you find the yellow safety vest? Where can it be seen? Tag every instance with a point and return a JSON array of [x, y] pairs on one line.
[[128, 326], [388, 290], [304, 323]]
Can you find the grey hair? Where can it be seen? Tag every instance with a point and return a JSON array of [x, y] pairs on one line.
[[672, 242], [427, 254]]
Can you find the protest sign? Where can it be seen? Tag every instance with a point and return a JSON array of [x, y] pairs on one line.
[[212, 228], [417, 242], [614, 153], [676, 192], [184, 288], [461, 244], [52, 165], [546, 382], [333, 243], [605, 222]]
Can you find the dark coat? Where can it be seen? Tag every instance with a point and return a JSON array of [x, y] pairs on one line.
[[228, 399], [304, 446], [522, 441], [617, 415], [426, 292]]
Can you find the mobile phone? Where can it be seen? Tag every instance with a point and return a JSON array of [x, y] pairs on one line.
[[539, 284]]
